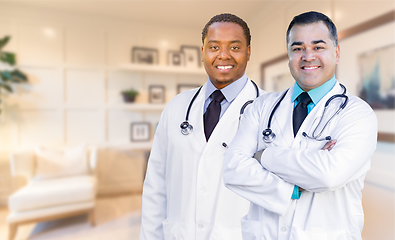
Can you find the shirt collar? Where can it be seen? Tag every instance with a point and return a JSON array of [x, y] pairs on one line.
[[231, 91], [315, 94]]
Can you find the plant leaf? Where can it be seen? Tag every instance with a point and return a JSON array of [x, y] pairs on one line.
[[6, 87], [4, 41], [8, 57], [19, 75], [6, 75]]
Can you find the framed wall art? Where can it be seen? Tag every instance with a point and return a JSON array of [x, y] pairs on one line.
[[377, 77], [175, 58], [142, 55], [183, 87], [367, 60], [156, 94], [192, 56], [140, 131]]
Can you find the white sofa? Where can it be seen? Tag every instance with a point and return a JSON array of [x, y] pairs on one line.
[[59, 184]]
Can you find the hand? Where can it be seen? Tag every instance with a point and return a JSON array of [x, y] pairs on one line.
[[329, 145]]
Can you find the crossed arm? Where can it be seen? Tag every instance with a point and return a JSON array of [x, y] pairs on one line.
[[315, 170], [320, 171]]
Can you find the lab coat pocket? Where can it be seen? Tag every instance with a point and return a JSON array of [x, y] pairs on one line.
[[171, 230], [319, 234], [251, 230]]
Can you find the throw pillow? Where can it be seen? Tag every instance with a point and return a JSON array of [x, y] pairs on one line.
[[58, 163]]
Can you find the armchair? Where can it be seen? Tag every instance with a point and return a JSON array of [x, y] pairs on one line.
[[59, 184]]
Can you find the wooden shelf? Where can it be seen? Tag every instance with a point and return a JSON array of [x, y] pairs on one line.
[[139, 106], [133, 145], [161, 69]]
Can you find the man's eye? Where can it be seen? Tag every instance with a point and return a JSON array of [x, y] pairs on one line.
[[297, 49], [318, 48], [235, 48], [214, 47]]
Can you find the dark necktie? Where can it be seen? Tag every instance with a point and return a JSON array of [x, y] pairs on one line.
[[213, 111], [300, 111]]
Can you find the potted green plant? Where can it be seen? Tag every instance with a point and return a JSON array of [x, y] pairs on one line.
[[9, 74], [129, 95]]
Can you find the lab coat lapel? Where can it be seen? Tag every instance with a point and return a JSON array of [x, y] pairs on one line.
[[282, 118], [196, 115], [227, 126], [313, 118]]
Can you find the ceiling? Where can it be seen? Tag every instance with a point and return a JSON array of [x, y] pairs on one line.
[[187, 13]]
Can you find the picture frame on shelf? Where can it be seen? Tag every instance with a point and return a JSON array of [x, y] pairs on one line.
[[192, 56], [143, 55], [140, 131], [184, 87], [156, 94], [175, 58]]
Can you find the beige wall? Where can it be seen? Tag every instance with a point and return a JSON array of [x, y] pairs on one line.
[[74, 65]]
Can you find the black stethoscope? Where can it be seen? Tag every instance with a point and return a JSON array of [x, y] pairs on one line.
[[186, 127], [269, 136]]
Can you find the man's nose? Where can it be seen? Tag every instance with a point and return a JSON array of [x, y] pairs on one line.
[[224, 54], [308, 55]]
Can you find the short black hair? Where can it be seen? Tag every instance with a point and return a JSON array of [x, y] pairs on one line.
[[314, 17], [227, 17]]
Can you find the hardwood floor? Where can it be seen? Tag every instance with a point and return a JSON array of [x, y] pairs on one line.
[[118, 217]]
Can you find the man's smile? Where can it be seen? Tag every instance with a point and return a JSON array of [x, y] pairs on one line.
[[224, 67], [310, 67]]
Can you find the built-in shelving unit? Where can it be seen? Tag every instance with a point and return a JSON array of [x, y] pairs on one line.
[[169, 76], [139, 106], [161, 69], [146, 69], [144, 146]]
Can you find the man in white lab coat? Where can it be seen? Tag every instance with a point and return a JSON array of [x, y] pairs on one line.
[[184, 196], [297, 190]]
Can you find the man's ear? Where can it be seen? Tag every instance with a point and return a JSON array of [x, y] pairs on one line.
[[201, 55], [337, 54], [248, 52]]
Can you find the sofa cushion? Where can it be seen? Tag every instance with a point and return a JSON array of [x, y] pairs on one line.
[[42, 213], [53, 192], [56, 163]]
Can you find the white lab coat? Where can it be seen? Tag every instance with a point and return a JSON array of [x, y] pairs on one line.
[[331, 206], [184, 196]]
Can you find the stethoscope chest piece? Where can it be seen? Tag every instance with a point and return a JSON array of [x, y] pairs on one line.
[[186, 128], [268, 135]]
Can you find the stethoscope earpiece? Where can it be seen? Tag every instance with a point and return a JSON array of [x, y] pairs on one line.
[[268, 135], [186, 128], [327, 138]]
